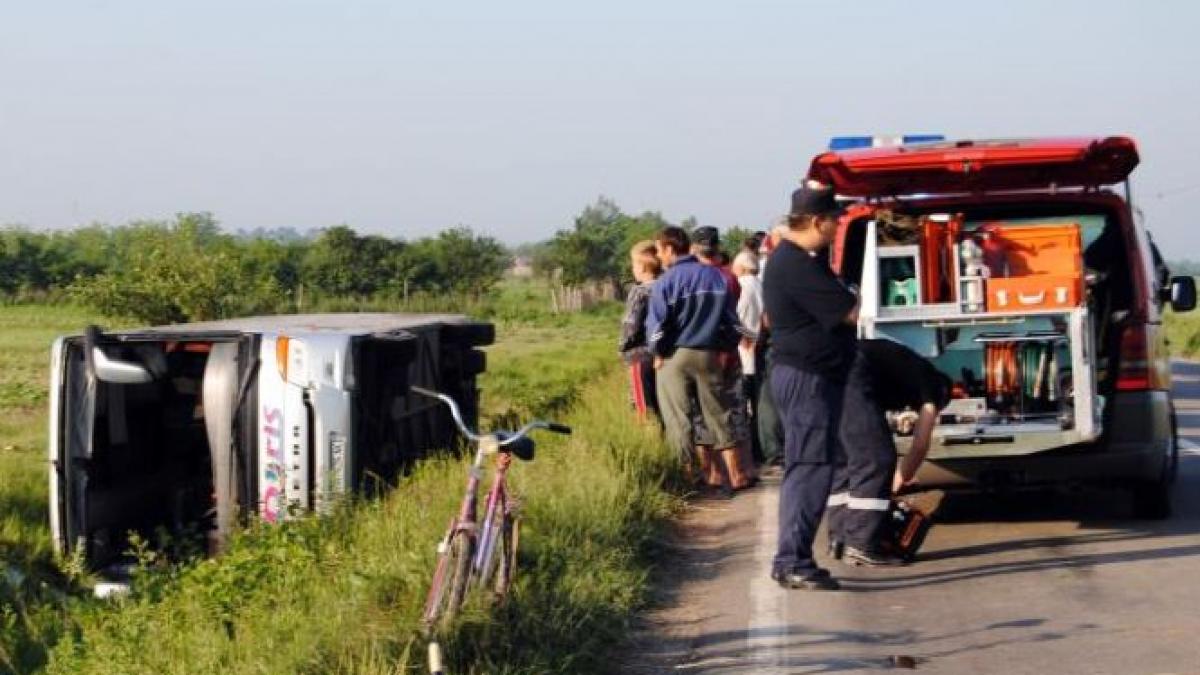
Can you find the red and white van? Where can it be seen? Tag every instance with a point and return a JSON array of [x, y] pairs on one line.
[[1019, 269]]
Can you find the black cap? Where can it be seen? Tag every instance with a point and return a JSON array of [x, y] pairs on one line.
[[706, 238], [813, 199]]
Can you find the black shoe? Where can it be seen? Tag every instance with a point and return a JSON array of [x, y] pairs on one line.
[[819, 580], [836, 549], [868, 558]]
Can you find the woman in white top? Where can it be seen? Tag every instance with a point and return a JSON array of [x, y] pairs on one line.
[[749, 306], [749, 312]]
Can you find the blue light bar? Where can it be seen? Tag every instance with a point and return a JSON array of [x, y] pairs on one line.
[[852, 142], [923, 138]]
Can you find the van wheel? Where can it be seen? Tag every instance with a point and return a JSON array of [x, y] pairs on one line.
[[1173, 455], [1152, 500]]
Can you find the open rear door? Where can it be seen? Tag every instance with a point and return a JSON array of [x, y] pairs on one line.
[[972, 166], [220, 396], [72, 416]]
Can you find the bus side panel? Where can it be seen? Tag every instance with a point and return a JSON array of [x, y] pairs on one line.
[[272, 469]]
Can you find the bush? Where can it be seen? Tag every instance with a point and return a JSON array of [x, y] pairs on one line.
[[184, 271]]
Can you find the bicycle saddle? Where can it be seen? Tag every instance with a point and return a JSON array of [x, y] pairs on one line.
[[522, 449]]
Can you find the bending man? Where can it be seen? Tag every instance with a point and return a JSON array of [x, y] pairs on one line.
[[886, 376]]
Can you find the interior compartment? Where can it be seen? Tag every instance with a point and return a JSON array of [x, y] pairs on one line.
[[1007, 305], [1014, 376], [147, 467]]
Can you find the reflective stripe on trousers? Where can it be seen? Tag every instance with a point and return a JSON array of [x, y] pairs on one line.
[[858, 503]]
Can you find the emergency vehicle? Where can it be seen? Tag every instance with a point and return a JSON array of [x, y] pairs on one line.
[[1019, 269]]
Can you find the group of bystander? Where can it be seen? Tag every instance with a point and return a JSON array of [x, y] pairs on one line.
[[693, 339], [745, 364]]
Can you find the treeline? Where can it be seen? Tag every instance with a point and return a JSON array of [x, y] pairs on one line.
[[1184, 267], [186, 269], [597, 247]]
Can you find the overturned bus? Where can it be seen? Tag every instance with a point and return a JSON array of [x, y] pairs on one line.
[[187, 430]]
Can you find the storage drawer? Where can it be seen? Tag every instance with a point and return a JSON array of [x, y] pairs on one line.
[[1039, 291]]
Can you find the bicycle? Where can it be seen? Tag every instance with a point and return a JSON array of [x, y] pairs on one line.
[[467, 555]]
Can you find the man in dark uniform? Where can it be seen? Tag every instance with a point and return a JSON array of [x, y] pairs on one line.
[[886, 376], [813, 344]]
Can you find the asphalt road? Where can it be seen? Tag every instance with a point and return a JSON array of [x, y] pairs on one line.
[[1041, 583]]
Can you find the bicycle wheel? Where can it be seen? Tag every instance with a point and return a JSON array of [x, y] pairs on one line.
[[449, 581]]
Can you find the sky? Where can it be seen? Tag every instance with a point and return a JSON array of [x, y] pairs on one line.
[[403, 118]]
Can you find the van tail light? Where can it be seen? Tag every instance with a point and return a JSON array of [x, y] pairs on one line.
[[1138, 369], [281, 355]]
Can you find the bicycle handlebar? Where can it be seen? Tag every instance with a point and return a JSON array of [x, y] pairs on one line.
[[471, 435]]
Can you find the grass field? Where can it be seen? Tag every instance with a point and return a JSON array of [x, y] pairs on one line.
[[1183, 330], [342, 594], [25, 336]]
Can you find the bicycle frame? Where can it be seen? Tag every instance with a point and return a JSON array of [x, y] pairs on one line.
[[467, 522], [497, 499], [479, 542]]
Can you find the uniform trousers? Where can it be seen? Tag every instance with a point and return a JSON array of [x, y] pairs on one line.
[[862, 477], [810, 409]]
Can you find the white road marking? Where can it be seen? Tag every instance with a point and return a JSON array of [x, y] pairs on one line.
[[766, 600]]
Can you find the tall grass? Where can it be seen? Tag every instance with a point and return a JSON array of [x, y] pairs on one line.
[[343, 593], [1183, 331], [32, 603]]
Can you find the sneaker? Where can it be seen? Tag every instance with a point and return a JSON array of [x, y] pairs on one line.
[[869, 558], [820, 580]]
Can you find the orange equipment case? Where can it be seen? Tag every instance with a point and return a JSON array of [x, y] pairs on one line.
[[1041, 249], [1036, 291], [1044, 268]]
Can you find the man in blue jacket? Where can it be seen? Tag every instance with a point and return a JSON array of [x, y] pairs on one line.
[[691, 327]]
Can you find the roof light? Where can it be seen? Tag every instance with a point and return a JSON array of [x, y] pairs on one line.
[[849, 142], [852, 142]]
